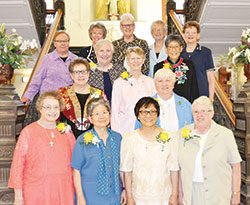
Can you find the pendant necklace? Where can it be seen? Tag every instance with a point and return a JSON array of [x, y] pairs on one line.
[[52, 136]]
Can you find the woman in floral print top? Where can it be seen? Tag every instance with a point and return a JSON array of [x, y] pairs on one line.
[[186, 82]]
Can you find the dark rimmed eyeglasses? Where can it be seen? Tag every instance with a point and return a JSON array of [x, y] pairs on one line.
[[146, 112]]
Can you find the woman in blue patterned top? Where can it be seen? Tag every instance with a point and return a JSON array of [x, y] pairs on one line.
[[96, 160]]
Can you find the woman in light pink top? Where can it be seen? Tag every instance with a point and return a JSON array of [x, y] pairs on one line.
[[128, 90]]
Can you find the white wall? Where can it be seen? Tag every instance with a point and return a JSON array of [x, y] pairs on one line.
[[81, 13]]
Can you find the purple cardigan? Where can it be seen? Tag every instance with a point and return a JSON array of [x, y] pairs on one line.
[[52, 74]]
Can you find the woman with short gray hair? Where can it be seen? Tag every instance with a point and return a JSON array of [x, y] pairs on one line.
[[96, 159], [104, 74], [186, 82], [175, 111], [209, 160], [157, 51], [127, 26]]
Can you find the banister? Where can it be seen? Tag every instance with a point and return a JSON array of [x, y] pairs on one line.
[[176, 21], [45, 47], [220, 93], [225, 101]]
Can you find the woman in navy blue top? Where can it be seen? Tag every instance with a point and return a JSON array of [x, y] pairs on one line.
[[96, 160]]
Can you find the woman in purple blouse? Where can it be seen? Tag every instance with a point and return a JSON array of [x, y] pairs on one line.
[[53, 73]]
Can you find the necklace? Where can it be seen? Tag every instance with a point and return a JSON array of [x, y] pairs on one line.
[[52, 137]]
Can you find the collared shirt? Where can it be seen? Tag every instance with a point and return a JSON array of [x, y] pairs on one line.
[[203, 62], [125, 95], [120, 47], [86, 160], [52, 74], [153, 59], [198, 174], [220, 150], [88, 53], [168, 115]]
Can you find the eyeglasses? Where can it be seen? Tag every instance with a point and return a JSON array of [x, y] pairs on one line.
[[62, 41], [78, 72], [127, 25], [144, 113], [101, 113], [190, 32], [203, 112], [49, 108], [136, 59], [173, 47]]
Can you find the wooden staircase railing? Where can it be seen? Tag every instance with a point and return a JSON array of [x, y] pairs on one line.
[[45, 47], [220, 93]]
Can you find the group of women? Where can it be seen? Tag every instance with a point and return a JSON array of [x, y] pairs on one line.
[[109, 135]]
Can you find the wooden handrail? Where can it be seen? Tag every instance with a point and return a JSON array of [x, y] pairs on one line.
[[225, 101], [176, 21], [45, 47], [220, 93]]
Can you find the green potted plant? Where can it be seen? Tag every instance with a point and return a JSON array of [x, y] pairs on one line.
[[14, 53]]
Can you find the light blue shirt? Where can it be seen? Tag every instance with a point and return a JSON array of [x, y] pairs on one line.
[[154, 60], [85, 159], [183, 109]]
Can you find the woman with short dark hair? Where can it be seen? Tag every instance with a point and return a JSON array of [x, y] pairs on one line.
[[186, 82], [77, 96], [149, 159]]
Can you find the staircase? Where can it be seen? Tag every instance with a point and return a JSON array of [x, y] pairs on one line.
[[222, 22], [20, 15]]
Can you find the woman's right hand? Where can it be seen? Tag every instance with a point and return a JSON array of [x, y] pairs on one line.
[[130, 201], [19, 202], [18, 197], [25, 100]]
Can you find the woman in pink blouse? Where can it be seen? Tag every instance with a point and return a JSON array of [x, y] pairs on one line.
[[128, 90], [40, 172]]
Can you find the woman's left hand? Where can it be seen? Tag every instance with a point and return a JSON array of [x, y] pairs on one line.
[[235, 199], [123, 197], [173, 200]]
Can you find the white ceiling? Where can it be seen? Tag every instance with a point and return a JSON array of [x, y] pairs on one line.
[[17, 14], [222, 22]]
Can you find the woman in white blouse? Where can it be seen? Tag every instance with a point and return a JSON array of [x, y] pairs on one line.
[[149, 159]]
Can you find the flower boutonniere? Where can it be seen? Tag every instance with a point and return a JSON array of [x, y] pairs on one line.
[[95, 93], [157, 100], [125, 76], [93, 66], [166, 65], [63, 127], [162, 138], [186, 134], [89, 139]]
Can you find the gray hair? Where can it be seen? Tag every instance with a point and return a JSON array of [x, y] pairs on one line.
[[173, 37], [127, 16], [165, 72], [100, 42], [94, 102], [159, 22], [100, 26], [203, 100]]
